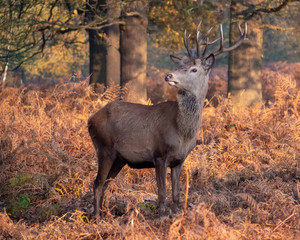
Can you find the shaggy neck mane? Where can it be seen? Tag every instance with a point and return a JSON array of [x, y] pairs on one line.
[[189, 115]]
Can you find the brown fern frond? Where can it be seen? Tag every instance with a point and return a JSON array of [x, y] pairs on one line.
[[263, 187], [251, 202]]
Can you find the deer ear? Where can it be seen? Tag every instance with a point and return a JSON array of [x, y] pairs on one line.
[[209, 62], [179, 62]]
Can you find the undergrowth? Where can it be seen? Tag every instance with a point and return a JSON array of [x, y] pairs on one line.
[[244, 177]]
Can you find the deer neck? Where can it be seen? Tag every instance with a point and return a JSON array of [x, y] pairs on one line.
[[189, 115]]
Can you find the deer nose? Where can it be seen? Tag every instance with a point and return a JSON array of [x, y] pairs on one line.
[[168, 76]]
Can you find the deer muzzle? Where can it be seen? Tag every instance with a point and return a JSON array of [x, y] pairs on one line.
[[169, 79]]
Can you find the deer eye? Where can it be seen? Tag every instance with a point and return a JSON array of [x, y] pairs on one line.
[[194, 70]]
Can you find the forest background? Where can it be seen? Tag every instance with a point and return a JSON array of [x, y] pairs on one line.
[[53, 42], [240, 182]]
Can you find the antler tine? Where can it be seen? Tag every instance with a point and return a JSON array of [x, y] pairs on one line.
[[199, 25], [206, 45], [246, 29], [240, 29], [208, 32], [197, 39], [186, 43], [200, 41], [198, 36], [210, 43], [221, 37], [234, 46]]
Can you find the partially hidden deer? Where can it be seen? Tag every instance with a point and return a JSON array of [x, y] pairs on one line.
[[158, 136]]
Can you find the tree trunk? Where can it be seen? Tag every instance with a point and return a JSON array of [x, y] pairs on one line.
[[245, 63], [113, 58], [134, 51], [97, 43], [97, 58]]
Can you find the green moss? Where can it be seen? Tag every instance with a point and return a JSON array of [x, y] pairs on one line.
[[148, 207], [20, 179], [20, 204]]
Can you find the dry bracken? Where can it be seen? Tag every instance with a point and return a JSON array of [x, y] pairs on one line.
[[244, 174]]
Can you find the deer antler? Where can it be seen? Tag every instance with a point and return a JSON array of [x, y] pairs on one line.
[[234, 46], [202, 39], [186, 43]]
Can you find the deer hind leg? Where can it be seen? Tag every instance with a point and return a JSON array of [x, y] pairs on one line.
[[105, 163], [117, 166]]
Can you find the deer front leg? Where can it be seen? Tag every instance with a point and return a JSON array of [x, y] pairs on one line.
[[161, 174], [175, 177]]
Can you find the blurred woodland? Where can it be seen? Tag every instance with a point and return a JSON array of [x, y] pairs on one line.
[[50, 42], [58, 65]]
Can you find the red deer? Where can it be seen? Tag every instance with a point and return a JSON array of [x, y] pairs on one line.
[[158, 136]]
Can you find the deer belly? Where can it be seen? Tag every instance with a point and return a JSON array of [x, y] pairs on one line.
[[138, 158]]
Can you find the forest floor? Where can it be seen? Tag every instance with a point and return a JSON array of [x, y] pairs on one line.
[[243, 177]]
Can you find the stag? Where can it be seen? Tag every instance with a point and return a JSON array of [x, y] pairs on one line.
[[158, 136]]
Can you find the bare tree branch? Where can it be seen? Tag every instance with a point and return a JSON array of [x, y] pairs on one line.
[[253, 9], [278, 28]]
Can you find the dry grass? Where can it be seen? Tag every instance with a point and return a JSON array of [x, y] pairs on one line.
[[244, 176]]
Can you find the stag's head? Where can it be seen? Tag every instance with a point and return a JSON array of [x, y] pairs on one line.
[[193, 71]]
